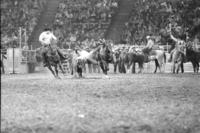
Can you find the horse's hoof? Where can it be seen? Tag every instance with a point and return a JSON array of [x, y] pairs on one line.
[[107, 77]]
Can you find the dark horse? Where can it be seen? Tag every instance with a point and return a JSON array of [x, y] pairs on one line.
[[105, 56], [135, 58], [53, 59], [193, 56]]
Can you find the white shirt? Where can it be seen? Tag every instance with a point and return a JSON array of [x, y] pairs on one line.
[[150, 43], [46, 37]]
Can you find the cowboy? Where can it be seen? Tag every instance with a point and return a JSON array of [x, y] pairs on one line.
[[45, 38], [178, 45], [149, 46]]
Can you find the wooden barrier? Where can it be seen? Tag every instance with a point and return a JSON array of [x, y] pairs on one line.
[[20, 61]]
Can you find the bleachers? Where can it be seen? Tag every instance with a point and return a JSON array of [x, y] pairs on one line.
[[85, 18], [151, 17], [15, 14]]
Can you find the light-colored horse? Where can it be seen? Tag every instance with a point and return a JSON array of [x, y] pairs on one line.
[[159, 57]]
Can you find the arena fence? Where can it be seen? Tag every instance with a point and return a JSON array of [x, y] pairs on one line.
[[20, 61]]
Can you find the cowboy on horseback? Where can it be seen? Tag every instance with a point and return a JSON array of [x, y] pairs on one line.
[[149, 46], [179, 45], [46, 38]]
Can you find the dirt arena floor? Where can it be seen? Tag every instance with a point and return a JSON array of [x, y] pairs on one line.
[[123, 103]]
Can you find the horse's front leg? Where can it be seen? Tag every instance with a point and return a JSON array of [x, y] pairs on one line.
[[197, 67], [177, 69], [133, 67], [182, 67], [173, 67], [194, 66], [140, 66], [129, 67], [156, 64], [50, 68], [115, 67], [61, 68], [103, 68], [56, 70], [123, 67]]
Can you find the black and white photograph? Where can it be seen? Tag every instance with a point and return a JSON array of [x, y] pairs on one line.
[[100, 66]]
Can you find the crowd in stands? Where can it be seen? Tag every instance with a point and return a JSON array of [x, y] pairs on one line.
[[83, 19], [19, 13], [152, 17]]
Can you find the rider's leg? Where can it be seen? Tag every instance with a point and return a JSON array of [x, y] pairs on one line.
[[44, 56]]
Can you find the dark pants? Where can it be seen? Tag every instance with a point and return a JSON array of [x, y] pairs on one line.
[[44, 54]]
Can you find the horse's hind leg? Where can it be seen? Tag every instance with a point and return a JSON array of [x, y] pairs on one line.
[[140, 67], [182, 68], [197, 67], [133, 67], [157, 65], [194, 66], [102, 65]]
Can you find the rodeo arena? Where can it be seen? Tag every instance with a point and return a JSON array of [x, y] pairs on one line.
[[100, 66]]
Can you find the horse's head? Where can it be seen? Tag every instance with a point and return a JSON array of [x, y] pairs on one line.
[[52, 50], [106, 52], [116, 55]]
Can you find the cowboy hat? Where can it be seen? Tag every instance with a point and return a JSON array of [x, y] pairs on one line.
[[148, 37]]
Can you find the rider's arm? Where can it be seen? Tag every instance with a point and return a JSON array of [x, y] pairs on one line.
[[54, 37], [41, 38], [173, 38]]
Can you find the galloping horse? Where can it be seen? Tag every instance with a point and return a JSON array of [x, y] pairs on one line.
[[105, 56], [53, 59]]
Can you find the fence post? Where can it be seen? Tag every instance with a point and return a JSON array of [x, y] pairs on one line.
[[20, 37]]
